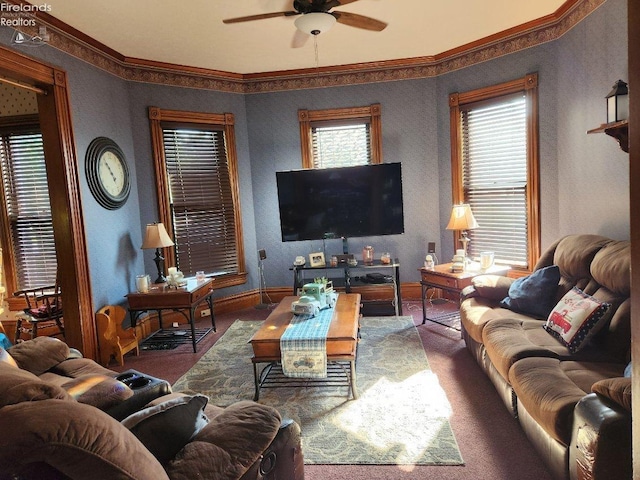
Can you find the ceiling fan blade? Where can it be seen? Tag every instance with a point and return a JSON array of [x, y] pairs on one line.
[[359, 21], [260, 16]]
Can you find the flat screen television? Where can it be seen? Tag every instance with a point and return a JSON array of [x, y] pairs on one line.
[[359, 201]]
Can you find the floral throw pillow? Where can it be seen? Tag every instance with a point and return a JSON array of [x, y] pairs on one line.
[[576, 318]]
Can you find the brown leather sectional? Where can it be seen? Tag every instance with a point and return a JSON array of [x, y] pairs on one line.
[[575, 408]]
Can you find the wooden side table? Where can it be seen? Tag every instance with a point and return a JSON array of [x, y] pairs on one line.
[[443, 278], [161, 297]]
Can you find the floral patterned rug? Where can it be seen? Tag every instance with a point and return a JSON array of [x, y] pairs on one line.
[[399, 418]]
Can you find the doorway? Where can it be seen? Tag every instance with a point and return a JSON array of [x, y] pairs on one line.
[[54, 114]]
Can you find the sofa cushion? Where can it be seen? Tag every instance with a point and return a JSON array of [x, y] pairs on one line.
[[98, 391], [617, 389], [576, 318], [19, 386], [549, 389], [77, 440], [477, 312], [508, 340], [166, 427], [534, 294], [39, 354]]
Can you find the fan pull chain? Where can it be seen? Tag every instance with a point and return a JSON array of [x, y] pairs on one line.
[[315, 47]]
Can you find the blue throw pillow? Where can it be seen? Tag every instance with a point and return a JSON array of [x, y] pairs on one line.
[[535, 294]]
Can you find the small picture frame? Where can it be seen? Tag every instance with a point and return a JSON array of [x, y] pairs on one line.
[[317, 259]]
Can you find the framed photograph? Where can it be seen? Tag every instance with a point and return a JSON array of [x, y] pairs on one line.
[[317, 259]]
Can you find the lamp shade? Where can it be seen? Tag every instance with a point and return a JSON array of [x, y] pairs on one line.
[[156, 237], [462, 218], [315, 23]]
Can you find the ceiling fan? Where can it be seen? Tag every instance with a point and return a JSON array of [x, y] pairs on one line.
[[317, 17]]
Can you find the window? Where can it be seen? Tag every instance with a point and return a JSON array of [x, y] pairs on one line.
[[341, 137], [195, 164], [26, 219], [494, 148]]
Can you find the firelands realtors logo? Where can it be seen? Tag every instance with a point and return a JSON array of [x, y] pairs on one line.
[[23, 15]]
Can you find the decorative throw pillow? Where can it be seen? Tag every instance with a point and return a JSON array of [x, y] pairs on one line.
[[576, 318], [167, 427], [535, 294]]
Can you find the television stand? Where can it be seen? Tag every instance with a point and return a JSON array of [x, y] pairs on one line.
[[346, 277]]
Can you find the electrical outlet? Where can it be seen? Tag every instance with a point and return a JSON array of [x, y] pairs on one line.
[[431, 247], [205, 313], [262, 254]]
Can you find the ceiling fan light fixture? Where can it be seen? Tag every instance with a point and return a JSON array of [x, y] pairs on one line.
[[315, 23]]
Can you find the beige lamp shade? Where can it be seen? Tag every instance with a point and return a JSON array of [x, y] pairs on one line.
[[462, 218], [156, 237]]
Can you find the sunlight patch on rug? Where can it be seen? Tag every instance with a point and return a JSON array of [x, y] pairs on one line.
[[379, 401], [400, 418]]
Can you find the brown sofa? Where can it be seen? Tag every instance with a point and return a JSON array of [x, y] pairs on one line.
[[572, 400], [59, 418]]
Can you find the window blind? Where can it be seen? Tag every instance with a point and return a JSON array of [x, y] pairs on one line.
[[494, 155], [201, 201], [341, 145], [26, 195]]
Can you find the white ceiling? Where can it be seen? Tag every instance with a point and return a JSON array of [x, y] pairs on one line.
[[191, 32]]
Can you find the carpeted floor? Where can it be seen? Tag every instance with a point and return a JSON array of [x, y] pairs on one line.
[[400, 417], [491, 441]]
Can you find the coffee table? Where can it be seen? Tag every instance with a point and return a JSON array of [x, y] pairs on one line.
[[342, 345]]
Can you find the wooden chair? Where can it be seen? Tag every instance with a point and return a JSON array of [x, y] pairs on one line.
[[44, 305], [112, 338]]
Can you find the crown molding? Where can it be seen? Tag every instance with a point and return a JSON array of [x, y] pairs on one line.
[[536, 32]]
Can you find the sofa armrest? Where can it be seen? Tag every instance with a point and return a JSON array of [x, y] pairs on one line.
[[616, 389], [601, 440], [493, 287], [231, 442]]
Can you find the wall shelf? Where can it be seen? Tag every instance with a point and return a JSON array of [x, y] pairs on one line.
[[618, 130]]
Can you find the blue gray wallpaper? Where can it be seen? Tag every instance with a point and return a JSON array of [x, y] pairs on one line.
[[584, 178]]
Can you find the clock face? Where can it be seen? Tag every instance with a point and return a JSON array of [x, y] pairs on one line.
[[107, 173], [111, 172]]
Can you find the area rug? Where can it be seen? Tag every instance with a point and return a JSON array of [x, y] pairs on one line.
[[400, 417]]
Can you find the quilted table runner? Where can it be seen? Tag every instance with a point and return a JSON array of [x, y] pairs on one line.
[[303, 345]]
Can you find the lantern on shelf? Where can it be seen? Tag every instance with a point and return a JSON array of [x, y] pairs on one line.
[[618, 102]]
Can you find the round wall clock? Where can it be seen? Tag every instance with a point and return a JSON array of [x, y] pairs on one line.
[[107, 173]]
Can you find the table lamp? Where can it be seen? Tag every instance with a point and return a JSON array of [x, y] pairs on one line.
[[462, 219], [157, 237]]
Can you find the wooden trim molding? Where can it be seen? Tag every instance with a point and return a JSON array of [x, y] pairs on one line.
[[527, 35], [227, 121], [64, 189], [457, 102], [371, 114]]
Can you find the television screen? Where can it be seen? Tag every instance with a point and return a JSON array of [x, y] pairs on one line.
[[345, 202]]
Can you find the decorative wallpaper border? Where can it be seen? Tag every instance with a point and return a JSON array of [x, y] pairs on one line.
[[537, 32]]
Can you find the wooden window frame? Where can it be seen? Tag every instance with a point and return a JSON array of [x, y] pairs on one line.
[[10, 275], [529, 86], [157, 117], [371, 114]]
